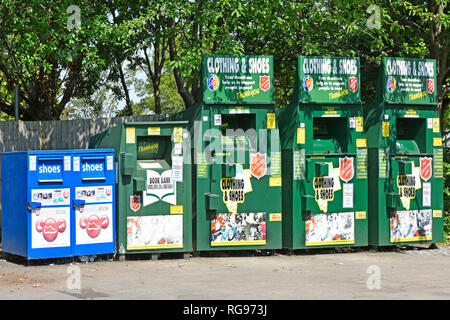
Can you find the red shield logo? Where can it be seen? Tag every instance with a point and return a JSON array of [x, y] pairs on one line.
[[425, 168], [430, 85], [258, 164], [135, 203], [264, 83], [346, 169], [353, 84]]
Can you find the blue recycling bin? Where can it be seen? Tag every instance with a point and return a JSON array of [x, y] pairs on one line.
[[58, 203]]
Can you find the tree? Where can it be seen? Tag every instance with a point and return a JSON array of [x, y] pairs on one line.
[[49, 59]]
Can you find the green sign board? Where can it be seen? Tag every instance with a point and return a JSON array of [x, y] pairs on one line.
[[328, 80], [237, 79], [408, 81]]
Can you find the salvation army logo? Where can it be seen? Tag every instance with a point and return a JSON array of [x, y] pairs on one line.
[[135, 203], [425, 168], [213, 82], [353, 84], [430, 86], [264, 83], [346, 169], [308, 83], [258, 164], [391, 84]]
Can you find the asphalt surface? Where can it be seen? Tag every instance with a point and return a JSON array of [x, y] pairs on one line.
[[386, 275]]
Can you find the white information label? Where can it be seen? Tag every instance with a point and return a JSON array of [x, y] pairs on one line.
[[109, 163], [177, 169], [76, 163], [347, 201], [32, 163], [67, 163], [352, 122], [217, 119], [426, 194], [178, 148]]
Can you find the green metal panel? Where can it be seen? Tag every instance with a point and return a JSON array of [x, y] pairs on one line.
[[405, 155], [236, 157], [154, 213], [324, 157]]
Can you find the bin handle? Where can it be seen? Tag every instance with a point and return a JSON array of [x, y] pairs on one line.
[[93, 158], [49, 158], [33, 205], [77, 203], [50, 180], [93, 178]]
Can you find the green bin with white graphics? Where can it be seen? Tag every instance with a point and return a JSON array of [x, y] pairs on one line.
[[405, 155], [236, 156], [324, 156], [153, 176]]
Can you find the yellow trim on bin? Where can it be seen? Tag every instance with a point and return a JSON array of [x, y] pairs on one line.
[[238, 243]]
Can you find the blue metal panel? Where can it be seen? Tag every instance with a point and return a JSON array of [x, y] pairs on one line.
[[14, 214], [49, 225], [94, 202]]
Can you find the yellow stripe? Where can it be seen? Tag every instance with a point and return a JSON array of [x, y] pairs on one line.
[[237, 243], [324, 243], [423, 238], [155, 246]]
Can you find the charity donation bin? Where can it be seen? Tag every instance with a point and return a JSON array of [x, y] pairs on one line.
[[324, 156], [153, 186], [405, 155], [236, 156], [39, 202], [93, 202]]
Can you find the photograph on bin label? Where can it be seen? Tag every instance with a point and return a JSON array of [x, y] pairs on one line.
[[50, 227], [51, 197], [153, 232], [412, 225], [94, 194], [94, 223], [240, 228], [331, 228]]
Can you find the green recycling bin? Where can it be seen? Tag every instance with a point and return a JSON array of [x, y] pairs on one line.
[[405, 155], [236, 156], [324, 156], [153, 177]]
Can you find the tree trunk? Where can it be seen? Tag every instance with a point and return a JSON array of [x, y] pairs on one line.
[[125, 90]]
